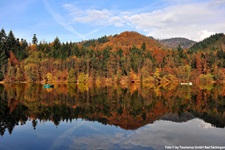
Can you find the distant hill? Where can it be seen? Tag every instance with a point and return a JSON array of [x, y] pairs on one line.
[[175, 42], [124, 41], [214, 42]]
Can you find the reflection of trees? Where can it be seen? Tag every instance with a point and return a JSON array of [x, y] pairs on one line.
[[8, 120], [126, 108]]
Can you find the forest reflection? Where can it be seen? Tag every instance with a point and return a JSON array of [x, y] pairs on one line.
[[127, 107]]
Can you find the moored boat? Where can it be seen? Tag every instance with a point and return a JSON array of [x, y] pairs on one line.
[[186, 83], [48, 86]]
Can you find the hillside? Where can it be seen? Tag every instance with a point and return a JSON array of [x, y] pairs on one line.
[[125, 58], [124, 41], [214, 42], [176, 42]]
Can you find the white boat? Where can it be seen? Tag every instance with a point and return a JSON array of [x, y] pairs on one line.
[[186, 83]]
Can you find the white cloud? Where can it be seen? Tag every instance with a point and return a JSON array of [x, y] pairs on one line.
[[189, 20], [194, 20], [204, 34], [94, 16]]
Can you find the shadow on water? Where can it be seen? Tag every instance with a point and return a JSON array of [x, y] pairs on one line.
[[129, 108]]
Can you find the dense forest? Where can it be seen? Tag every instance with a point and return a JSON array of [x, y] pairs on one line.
[[124, 59]]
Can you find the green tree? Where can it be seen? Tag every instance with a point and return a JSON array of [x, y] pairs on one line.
[[10, 42], [34, 39], [56, 48], [23, 50], [3, 55], [75, 51], [143, 47], [136, 59], [2, 37]]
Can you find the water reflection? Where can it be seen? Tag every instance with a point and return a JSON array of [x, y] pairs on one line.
[[81, 134], [136, 118]]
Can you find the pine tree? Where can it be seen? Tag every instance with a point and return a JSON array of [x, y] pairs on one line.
[[10, 42], [23, 52], [56, 47], [3, 55], [2, 37], [34, 39]]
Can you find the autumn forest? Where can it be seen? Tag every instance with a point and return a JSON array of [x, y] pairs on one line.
[[126, 58]]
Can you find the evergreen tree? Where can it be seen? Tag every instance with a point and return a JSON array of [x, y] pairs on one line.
[[10, 42], [22, 50], [143, 47], [56, 47], [136, 58], [34, 39], [2, 37], [75, 51], [3, 56]]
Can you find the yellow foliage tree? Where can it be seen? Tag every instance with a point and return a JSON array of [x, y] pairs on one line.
[[49, 77], [82, 78]]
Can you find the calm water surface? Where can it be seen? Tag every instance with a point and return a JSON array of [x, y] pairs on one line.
[[71, 117]]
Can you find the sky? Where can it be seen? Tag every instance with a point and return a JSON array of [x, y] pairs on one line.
[[78, 20]]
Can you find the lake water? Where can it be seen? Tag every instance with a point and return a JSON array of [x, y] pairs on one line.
[[81, 117]]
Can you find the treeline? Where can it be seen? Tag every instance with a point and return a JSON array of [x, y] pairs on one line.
[[84, 62]]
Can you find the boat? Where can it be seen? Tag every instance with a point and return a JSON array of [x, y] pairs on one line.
[[46, 86], [186, 83]]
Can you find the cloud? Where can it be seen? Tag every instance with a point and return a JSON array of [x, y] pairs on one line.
[[94, 17], [204, 34], [191, 19], [60, 20], [181, 20]]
